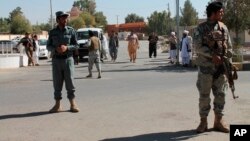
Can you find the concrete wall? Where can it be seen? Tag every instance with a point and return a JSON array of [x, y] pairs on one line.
[[247, 39], [12, 36], [13, 61]]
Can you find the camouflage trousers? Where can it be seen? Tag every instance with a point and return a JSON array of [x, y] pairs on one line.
[[205, 84], [94, 58]]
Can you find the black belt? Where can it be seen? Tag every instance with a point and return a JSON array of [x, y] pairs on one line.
[[62, 56]]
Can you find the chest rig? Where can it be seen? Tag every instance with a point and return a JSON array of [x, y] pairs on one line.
[[214, 38]]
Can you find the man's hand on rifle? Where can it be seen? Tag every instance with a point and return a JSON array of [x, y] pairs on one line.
[[217, 60]]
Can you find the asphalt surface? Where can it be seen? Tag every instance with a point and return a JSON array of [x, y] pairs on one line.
[[150, 100]]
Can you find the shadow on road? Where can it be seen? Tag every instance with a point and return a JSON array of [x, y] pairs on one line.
[[33, 114], [164, 68], [165, 136]]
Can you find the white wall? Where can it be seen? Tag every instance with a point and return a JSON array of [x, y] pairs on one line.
[[11, 36]]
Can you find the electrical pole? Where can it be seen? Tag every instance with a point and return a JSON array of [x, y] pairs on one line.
[[178, 32], [51, 16], [117, 27]]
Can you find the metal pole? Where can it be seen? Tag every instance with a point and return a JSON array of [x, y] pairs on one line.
[[178, 33], [117, 27], [117, 16], [51, 16]]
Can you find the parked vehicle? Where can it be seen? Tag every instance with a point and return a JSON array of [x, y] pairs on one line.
[[17, 39], [43, 52], [83, 39], [8, 46]]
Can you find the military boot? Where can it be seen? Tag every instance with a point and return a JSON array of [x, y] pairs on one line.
[[73, 107], [219, 125], [56, 108], [203, 125]]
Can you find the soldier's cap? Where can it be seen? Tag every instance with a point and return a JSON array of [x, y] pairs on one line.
[[215, 6], [61, 14], [173, 33], [27, 33]]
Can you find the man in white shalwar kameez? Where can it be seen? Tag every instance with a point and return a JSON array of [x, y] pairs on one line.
[[185, 49]]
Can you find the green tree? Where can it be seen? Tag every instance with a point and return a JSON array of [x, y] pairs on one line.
[[100, 19], [4, 26], [77, 23], [160, 22], [237, 16], [20, 25], [86, 5], [45, 26], [15, 12], [189, 15], [88, 19], [36, 29], [132, 18]]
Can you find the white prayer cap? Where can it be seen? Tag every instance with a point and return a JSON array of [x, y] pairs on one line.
[[185, 32], [173, 33]]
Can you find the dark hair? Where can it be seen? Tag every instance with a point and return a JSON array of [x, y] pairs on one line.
[[91, 33], [213, 7]]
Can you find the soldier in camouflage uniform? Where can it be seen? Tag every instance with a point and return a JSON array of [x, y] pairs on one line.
[[62, 43], [212, 43], [28, 44]]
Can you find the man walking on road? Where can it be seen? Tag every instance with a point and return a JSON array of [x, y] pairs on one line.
[[212, 44], [153, 39], [94, 54], [113, 46], [28, 45], [133, 45], [62, 43]]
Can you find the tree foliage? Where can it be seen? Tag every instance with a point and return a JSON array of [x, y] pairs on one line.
[[18, 23], [237, 15], [15, 12], [77, 23], [86, 5], [189, 15], [4, 26], [45, 26], [88, 19], [132, 18], [160, 22], [100, 19]]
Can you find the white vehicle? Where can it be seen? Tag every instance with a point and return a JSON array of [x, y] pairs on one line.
[[83, 38], [43, 52]]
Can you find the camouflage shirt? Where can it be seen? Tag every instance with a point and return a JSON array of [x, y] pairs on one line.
[[208, 39], [58, 37]]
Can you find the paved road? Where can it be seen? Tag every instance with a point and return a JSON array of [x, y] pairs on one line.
[[145, 101]]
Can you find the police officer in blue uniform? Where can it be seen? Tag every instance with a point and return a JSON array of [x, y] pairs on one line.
[[62, 43]]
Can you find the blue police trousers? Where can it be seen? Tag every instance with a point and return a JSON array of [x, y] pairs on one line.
[[63, 70]]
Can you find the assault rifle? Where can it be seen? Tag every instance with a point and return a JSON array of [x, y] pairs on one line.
[[229, 68], [226, 66]]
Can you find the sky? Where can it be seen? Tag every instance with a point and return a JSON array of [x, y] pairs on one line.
[[38, 11]]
